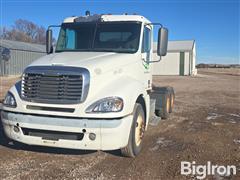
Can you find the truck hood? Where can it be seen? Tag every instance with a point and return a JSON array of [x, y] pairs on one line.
[[95, 62]]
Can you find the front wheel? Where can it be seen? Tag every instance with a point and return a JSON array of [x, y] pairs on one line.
[[136, 134]]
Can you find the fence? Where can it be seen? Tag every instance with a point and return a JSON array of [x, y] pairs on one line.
[[20, 57]]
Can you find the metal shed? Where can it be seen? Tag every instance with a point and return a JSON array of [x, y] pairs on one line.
[[21, 55], [180, 59]]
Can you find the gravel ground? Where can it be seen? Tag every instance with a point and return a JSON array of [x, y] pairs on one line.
[[204, 126]]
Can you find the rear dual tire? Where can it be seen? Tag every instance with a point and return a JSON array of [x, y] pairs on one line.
[[168, 98], [164, 112]]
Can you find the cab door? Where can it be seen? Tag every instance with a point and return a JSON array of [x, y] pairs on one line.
[[147, 55]]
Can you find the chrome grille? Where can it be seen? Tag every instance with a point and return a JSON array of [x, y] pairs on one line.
[[52, 86]]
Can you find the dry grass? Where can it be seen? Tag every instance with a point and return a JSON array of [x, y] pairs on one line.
[[226, 71]]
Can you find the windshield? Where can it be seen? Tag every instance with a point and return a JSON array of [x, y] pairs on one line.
[[111, 37]]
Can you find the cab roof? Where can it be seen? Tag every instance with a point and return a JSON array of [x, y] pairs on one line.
[[108, 18]]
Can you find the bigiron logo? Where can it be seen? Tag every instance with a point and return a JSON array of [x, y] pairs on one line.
[[201, 171]]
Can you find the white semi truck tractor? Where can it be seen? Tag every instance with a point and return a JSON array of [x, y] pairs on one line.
[[93, 90]]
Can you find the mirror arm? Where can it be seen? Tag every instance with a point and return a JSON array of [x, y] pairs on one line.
[[155, 24], [160, 58], [52, 26]]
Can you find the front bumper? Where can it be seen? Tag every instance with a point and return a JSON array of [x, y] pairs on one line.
[[110, 134]]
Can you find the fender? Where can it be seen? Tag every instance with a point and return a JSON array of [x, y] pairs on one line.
[[125, 87]]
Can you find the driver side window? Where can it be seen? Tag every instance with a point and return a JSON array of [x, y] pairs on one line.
[[146, 45]]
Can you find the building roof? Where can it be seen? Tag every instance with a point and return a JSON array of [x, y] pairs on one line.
[[17, 45], [176, 46]]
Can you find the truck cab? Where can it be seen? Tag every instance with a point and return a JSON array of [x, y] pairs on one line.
[[93, 92]]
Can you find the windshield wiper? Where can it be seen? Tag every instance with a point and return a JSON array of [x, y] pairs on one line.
[[112, 50], [95, 50], [73, 50]]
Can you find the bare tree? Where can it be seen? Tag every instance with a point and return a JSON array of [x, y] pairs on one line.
[[24, 30], [40, 35], [3, 32], [28, 27]]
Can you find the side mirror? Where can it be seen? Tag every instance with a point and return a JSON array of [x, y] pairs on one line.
[[162, 41], [49, 46]]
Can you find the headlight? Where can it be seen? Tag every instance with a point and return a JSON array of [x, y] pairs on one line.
[[109, 104], [10, 100]]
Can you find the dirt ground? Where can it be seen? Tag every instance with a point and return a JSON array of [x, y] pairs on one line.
[[204, 126]]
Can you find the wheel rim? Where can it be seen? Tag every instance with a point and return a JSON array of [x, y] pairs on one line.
[[172, 101], [168, 104], [139, 131]]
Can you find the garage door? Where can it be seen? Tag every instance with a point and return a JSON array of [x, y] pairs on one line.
[[181, 64]]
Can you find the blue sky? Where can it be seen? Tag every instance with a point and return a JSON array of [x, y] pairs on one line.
[[214, 24]]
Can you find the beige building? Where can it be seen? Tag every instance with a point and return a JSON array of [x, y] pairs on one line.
[[180, 59]]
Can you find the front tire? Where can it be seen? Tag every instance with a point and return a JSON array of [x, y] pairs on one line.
[[134, 145]]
